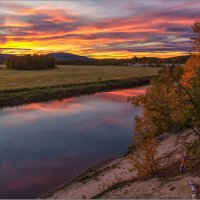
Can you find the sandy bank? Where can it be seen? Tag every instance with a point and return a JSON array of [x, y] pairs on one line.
[[114, 179]]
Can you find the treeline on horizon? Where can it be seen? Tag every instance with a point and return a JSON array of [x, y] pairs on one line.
[[30, 62], [43, 60], [147, 61]]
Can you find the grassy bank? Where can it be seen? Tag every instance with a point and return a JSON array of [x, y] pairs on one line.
[[18, 87], [27, 95]]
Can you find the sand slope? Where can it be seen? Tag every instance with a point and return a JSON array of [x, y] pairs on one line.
[[115, 179]]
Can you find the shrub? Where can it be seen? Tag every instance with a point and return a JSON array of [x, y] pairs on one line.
[[145, 160]]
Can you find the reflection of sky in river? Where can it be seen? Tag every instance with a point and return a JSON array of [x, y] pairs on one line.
[[44, 144]]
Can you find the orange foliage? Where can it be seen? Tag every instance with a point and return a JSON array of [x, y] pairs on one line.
[[191, 67]]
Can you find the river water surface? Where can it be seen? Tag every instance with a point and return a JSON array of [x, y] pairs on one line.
[[44, 144]]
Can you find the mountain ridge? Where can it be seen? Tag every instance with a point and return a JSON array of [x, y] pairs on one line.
[[67, 56]]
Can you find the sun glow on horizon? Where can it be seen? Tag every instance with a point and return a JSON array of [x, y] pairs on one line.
[[90, 29]]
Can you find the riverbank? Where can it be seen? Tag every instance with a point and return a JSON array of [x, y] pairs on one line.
[[14, 97], [20, 86], [116, 179]]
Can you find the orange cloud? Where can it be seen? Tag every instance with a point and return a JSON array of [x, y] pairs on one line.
[[41, 28]]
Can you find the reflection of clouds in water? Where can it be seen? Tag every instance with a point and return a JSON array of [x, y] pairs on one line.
[[40, 140], [28, 111], [7, 152], [112, 119], [128, 92], [17, 119], [48, 172], [67, 107], [122, 95], [18, 183], [47, 106], [39, 112]]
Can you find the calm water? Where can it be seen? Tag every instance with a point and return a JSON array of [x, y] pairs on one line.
[[44, 144]]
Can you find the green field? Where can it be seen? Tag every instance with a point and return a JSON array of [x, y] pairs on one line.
[[18, 87], [63, 75]]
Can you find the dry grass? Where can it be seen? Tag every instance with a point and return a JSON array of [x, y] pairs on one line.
[[12, 79]]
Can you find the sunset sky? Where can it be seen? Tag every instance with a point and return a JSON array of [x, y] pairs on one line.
[[98, 28]]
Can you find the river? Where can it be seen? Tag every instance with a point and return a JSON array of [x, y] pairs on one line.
[[44, 144]]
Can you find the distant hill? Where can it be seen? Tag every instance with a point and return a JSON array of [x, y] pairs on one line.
[[57, 56], [67, 56]]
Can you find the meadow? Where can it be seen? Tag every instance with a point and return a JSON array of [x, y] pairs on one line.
[[64, 75], [18, 87]]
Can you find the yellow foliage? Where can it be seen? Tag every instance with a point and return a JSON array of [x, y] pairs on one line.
[[144, 160]]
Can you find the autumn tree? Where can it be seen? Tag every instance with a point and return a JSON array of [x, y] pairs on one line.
[[172, 102], [191, 80]]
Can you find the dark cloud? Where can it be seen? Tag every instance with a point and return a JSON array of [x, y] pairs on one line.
[[181, 29], [161, 49], [3, 38], [180, 14], [42, 23]]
